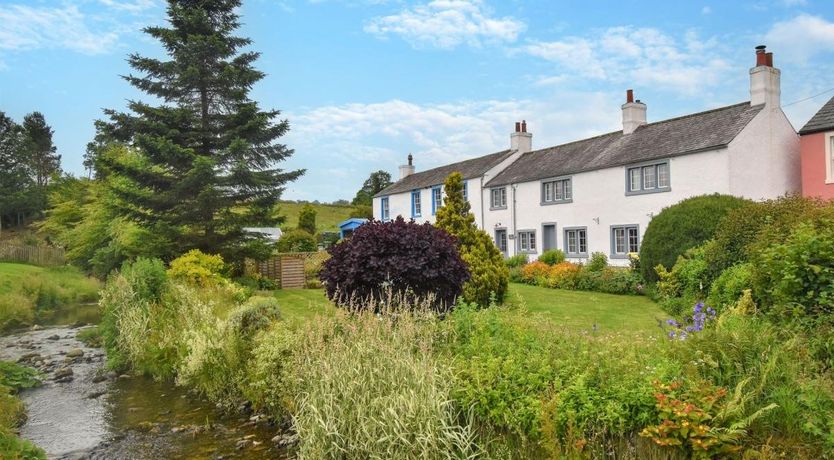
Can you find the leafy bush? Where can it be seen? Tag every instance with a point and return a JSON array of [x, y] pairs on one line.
[[516, 261], [552, 256], [598, 262], [307, 219], [489, 276], [685, 284], [297, 241], [535, 273], [730, 285], [197, 268], [751, 228], [396, 257], [680, 227], [611, 280], [800, 270], [562, 276]]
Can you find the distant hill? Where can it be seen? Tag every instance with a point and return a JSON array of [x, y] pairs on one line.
[[328, 216]]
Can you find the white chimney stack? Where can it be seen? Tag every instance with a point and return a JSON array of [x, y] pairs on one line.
[[634, 113], [521, 140], [765, 80], [407, 170]]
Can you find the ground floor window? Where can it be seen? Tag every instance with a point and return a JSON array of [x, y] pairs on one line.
[[576, 241], [385, 212], [526, 241], [624, 239]]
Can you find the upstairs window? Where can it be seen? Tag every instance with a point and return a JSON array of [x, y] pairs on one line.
[[465, 191], [650, 178], [416, 206], [436, 200], [385, 213], [498, 198], [557, 191], [829, 159], [624, 240]]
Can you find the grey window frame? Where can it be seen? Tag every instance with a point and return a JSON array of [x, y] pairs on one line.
[[506, 239], [532, 249], [613, 254], [565, 239], [568, 180], [503, 195], [642, 190]]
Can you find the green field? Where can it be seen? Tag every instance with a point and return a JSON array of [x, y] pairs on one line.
[[328, 216], [573, 309]]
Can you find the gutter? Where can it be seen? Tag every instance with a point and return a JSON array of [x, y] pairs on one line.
[[515, 243], [483, 222]]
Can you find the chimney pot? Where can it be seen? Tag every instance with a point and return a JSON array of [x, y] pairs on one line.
[[761, 56], [523, 126], [769, 59], [518, 126], [410, 160], [629, 96]]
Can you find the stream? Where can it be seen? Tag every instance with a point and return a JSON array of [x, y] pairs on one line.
[[82, 411]]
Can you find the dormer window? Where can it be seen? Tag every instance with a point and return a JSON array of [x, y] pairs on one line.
[[648, 178]]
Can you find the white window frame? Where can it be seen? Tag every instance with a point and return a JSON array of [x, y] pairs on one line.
[[577, 233], [416, 203], [502, 198], [386, 209], [638, 172], [829, 158], [526, 241], [628, 230], [437, 199]]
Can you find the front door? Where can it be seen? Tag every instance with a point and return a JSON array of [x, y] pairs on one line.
[[549, 236], [501, 240]]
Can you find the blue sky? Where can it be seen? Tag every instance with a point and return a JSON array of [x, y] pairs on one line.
[[365, 82]]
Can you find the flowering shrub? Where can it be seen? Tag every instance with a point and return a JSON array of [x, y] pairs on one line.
[[695, 323], [535, 272], [563, 276], [197, 267]]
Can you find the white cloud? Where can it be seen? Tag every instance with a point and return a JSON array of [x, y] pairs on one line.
[[706, 10], [447, 24], [640, 56], [800, 38], [25, 28]]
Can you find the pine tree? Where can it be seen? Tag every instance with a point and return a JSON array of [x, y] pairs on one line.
[[209, 154], [14, 173], [40, 150], [489, 275]]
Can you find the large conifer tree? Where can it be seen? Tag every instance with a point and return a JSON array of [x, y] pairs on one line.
[[209, 155]]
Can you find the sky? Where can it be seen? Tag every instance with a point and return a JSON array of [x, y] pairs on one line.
[[365, 82]]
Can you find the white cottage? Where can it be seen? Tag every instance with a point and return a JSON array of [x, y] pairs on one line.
[[599, 194]]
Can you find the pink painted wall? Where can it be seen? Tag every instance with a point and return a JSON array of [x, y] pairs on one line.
[[812, 148]]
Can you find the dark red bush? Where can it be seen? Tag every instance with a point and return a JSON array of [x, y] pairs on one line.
[[396, 257]]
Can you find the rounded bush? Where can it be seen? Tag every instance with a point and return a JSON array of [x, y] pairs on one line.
[[395, 258], [552, 256], [680, 227], [598, 262], [197, 267], [256, 314], [516, 261], [297, 241]]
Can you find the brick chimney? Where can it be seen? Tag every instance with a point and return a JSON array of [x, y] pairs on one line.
[[765, 80], [407, 170], [521, 140], [634, 113]]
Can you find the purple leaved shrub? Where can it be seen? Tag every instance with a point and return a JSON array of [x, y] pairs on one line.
[[396, 259]]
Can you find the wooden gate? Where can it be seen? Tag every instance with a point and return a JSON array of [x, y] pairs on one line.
[[292, 272]]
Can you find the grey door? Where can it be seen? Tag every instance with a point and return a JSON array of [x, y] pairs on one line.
[[549, 236], [501, 240]]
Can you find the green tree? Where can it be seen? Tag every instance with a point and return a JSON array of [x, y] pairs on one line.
[[374, 184], [307, 219], [490, 275], [209, 156], [14, 177], [39, 148]]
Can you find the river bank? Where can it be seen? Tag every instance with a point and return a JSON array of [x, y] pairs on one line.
[[83, 411]]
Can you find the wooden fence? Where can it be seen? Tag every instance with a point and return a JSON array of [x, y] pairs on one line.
[[37, 255], [291, 270]]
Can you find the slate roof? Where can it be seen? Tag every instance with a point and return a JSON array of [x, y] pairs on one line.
[[822, 121], [470, 169], [677, 136]]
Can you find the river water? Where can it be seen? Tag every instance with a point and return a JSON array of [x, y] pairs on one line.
[[82, 411]]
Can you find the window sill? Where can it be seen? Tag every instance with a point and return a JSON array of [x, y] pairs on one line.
[[497, 208], [649, 191], [549, 203], [527, 252], [576, 255], [618, 256]]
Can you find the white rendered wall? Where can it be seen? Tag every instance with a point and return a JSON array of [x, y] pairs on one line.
[[764, 157], [600, 195]]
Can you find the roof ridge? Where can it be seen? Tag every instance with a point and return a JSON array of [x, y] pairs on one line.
[[463, 161]]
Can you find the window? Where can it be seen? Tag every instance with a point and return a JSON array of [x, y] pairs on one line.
[[829, 159], [557, 191], [386, 213], [436, 200], [576, 242], [499, 198], [416, 206], [465, 191], [527, 241], [624, 240], [650, 178]]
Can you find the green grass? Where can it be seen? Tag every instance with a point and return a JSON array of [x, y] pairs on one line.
[[574, 309], [328, 216], [12, 273]]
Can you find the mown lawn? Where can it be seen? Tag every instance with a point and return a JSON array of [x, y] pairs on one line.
[[573, 309], [328, 216]]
